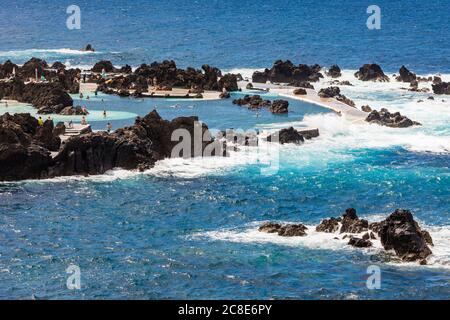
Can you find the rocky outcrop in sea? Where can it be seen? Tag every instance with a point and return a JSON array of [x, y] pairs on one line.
[[252, 102], [399, 233], [287, 72], [291, 135], [393, 120], [406, 75], [441, 88], [335, 92], [334, 71], [371, 72]]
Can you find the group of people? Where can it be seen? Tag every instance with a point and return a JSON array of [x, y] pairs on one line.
[[41, 121]]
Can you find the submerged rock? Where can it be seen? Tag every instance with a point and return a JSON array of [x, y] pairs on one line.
[[371, 72], [393, 120]]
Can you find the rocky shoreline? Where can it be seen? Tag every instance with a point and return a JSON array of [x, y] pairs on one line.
[[26, 146]]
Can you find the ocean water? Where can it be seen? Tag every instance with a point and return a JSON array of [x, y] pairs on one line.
[[188, 228]]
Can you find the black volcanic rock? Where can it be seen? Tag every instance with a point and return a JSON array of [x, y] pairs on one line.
[[293, 230], [393, 120], [335, 92], [253, 102], [38, 94], [348, 223], [7, 69], [28, 70], [406, 75], [352, 224], [25, 147], [329, 225], [334, 71], [228, 82], [103, 65], [329, 92], [126, 69], [289, 135], [371, 72], [301, 84], [300, 91], [165, 74], [287, 72], [71, 111], [261, 77], [401, 233], [58, 66], [366, 108], [279, 106], [288, 230], [22, 154], [270, 227], [441, 87], [359, 243], [88, 48]]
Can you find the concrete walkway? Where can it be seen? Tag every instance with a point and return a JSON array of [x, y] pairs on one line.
[[350, 113], [87, 88]]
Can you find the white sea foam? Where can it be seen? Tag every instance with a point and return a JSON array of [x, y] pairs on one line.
[[109, 176], [44, 53], [332, 241]]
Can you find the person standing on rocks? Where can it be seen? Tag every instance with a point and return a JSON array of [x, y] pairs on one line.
[[109, 127]]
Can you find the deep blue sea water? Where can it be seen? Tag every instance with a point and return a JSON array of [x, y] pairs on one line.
[[184, 229]]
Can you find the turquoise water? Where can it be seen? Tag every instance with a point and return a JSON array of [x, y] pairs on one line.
[[187, 229]]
